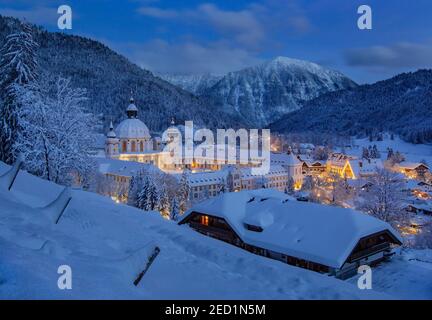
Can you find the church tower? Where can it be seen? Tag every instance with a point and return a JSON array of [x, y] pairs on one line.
[[112, 144]]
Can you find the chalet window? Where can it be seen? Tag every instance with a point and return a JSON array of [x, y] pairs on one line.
[[253, 228], [205, 220]]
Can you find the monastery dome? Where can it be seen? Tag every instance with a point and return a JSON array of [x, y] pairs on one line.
[[132, 129]]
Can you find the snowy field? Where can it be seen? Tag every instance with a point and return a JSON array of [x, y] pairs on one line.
[[105, 244], [412, 152]]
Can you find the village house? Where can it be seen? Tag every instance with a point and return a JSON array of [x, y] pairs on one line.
[[351, 167], [420, 208], [412, 170], [314, 168], [326, 239], [118, 175]]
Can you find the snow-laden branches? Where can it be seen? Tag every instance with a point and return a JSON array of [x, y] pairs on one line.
[[57, 135], [384, 199], [18, 69]]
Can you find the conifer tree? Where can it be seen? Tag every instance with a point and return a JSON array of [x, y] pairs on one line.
[[18, 70]]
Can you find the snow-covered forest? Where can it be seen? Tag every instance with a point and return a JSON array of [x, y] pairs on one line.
[[401, 105], [109, 79], [43, 121]]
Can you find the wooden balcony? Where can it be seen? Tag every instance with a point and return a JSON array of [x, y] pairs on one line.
[[368, 252], [218, 233]]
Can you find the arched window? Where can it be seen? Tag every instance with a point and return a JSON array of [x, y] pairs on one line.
[[124, 146], [142, 146], [133, 146]]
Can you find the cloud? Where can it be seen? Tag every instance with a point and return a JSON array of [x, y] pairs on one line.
[[155, 12], [189, 57], [243, 24], [395, 56], [247, 27]]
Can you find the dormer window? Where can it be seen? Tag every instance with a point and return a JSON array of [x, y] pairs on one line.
[[253, 228]]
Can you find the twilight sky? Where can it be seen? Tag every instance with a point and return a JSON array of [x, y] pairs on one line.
[[192, 36]]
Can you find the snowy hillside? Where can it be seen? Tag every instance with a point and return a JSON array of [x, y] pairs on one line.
[[105, 244], [264, 93], [412, 152], [197, 84], [402, 105], [109, 79]]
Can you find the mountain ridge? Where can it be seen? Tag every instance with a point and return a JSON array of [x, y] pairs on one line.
[[110, 77], [260, 94], [402, 105]]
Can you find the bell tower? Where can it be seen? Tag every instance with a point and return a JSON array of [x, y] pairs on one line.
[[112, 143]]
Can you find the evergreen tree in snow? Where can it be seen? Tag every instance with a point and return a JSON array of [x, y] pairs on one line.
[[230, 181], [396, 158], [18, 70], [390, 153], [142, 193], [308, 183], [290, 189], [374, 153], [365, 153], [163, 205], [152, 198], [222, 187], [184, 192], [175, 209]]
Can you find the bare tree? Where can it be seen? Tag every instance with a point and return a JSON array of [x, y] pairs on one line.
[[384, 198]]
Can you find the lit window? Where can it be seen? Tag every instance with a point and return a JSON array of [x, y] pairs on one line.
[[205, 220]]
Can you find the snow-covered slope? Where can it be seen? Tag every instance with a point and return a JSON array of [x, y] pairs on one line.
[[264, 93], [198, 84], [105, 245], [402, 105]]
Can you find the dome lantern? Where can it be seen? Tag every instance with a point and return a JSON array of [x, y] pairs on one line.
[[132, 110]]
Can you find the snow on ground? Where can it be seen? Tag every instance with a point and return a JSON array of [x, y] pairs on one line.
[[102, 243], [408, 276], [412, 152]]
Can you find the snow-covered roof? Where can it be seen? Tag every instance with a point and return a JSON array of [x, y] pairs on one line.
[[274, 171], [122, 168], [339, 159], [410, 165], [422, 206], [132, 106], [317, 233], [284, 159], [315, 163], [132, 129], [308, 146], [207, 178], [365, 167]]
